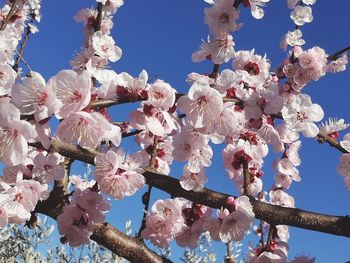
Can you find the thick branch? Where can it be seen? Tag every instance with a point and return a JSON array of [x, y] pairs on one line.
[[124, 245], [106, 235], [272, 214]]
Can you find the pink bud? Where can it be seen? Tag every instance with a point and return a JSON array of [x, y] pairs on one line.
[[230, 200]]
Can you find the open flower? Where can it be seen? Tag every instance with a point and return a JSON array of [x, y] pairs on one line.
[[301, 114]]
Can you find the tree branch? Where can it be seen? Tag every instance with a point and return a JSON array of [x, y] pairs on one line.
[[272, 214], [124, 245], [321, 138], [98, 21], [338, 54], [246, 178]]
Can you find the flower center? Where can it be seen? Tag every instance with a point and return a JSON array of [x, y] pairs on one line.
[[224, 18]]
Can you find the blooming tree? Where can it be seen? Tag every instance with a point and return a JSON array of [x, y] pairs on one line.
[[250, 109]]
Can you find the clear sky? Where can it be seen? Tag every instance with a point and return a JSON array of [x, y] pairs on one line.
[[160, 36]]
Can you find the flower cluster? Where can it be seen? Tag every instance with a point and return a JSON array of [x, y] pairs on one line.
[[87, 207], [184, 221]]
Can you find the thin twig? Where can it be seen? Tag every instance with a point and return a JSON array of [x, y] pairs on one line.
[[98, 21], [336, 55], [215, 72], [321, 138], [22, 47]]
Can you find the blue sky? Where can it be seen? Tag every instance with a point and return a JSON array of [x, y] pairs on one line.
[[160, 36]]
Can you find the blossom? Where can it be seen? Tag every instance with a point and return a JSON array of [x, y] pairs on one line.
[[292, 38], [33, 96], [7, 79], [344, 167], [338, 65], [164, 222], [78, 220], [345, 143], [193, 181], [257, 11], [276, 253], [88, 129], [73, 90], [219, 50], [161, 95], [124, 85], [221, 17], [301, 15], [279, 197], [47, 168], [153, 119], [202, 104], [21, 199], [105, 47], [333, 126], [118, 175], [14, 135], [301, 114], [237, 223], [257, 66]]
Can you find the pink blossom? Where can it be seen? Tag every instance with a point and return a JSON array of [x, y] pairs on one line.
[[7, 79], [47, 168], [164, 222], [105, 47], [221, 17], [75, 226], [117, 175], [124, 85], [78, 219], [193, 181], [73, 90], [234, 225], [202, 105], [345, 143], [219, 50], [276, 254], [256, 65], [161, 95], [301, 114], [14, 135], [88, 129], [279, 197], [333, 126], [301, 15], [344, 167], [338, 65], [33, 96], [153, 119]]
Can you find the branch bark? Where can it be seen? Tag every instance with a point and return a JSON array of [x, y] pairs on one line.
[[124, 245], [272, 214]]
